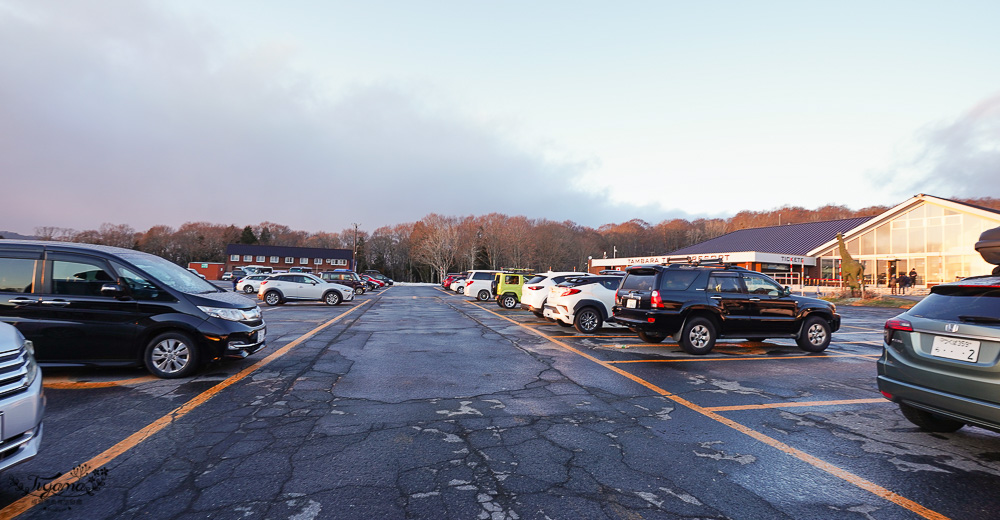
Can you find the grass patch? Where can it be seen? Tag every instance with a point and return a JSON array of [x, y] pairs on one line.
[[878, 301]]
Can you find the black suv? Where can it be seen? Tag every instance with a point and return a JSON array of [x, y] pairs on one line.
[[697, 303]]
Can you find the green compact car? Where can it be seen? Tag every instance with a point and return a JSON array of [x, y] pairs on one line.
[[507, 288], [941, 359]]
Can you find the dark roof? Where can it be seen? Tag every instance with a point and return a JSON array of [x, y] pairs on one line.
[[283, 251], [793, 239], [984, 208]]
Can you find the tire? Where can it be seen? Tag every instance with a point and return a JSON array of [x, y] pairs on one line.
[[359, 291], [332, 298], [483, 295], [273, 298], [538, 313], [698, 336], [171, 355], [460, 290], [248, 289], [588, 320], [815, 336], [652, 337], [561, 323], [928, 421], [507, 301]]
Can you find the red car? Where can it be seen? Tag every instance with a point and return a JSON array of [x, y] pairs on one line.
[[374, 283]]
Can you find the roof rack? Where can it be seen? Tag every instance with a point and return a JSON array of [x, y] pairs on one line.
[[611, 271], [687, 260], [517, 270]]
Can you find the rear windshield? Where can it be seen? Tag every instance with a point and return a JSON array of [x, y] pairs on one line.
[[958, 303], [644, 280], [538, 279]]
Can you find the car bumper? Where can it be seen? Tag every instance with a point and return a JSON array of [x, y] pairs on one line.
[[233, 339], [965, 409], [639, 320], [22, 424]]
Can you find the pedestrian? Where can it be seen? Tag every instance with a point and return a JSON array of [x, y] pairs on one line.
[[913, 277], [904, 282], [235, 279], [892, 283]]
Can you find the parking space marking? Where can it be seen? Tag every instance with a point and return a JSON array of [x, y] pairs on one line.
[[814, 461], [796, 404], [746, 358], [65, 383], [70, 477]]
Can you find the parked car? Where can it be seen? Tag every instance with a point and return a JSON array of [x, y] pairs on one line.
[[345, 277], [941, 359], [227, 276], [280, 288], [238, 274], [478, 283], [458, 285], [507, 288], [250, 284], [583, 302], [380, 277], [84, 304], [372, 282], [698, 303], [22, 402], [449, 278], [536, 289]]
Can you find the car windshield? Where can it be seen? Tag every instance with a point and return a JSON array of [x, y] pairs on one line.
[[170, 274], [538, 278]]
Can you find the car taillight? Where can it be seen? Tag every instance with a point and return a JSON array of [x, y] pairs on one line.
[[894, 324], [569, 291], [263, 282], [655, 301], [534, 287]]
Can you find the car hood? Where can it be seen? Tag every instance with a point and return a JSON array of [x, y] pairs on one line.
[[222, 299]]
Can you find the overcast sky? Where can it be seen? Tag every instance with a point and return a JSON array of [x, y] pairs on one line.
[[320, 114]]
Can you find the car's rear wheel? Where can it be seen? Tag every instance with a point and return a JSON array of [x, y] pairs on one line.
[[698, 336], [507, 301], [928, 421], [652, 337], [538, 313], [588, 320], [248, 289], [332, 298], [359, 290], [562, 323], [171, 355], [483, 295], [815, 336], [272, 298]]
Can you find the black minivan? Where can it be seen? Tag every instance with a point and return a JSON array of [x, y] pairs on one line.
[[84, 304]]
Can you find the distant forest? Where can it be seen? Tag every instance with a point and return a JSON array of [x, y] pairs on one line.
[[436, 244]]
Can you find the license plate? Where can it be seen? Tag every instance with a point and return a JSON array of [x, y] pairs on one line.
[[630, 303], [261, 333], [954, 348]]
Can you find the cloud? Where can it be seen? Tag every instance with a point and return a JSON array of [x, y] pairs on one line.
[[961, 158], [129, 114]]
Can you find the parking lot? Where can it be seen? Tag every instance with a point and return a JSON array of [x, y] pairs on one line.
[[414, 402]]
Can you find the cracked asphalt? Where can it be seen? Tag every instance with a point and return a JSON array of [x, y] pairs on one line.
[[417, 403]]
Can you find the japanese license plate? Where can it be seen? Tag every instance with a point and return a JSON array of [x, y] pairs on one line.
[[261, 333], [630, 303], [955, 348]]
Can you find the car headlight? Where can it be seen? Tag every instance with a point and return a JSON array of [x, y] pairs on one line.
[[31, 366], [226, 314]]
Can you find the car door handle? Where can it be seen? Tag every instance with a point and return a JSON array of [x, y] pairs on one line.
[[716, 297], [55, 303], [22, 301], [755, 299]]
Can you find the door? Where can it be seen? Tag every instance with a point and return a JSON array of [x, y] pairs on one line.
[[20, 272], [726, 289], [770, 311], [78, 323]]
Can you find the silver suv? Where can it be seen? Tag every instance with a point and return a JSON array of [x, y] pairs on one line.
[[22, 402], [279, 288]]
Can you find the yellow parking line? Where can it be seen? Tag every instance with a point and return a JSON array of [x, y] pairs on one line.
[[816, 462], [745, 358], [66, 481], [65, 383], [795, 404]]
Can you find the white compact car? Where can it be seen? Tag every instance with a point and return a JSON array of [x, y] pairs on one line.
[[536, 290], [251, 283], [280, 288], [479, 285], [583, 302]]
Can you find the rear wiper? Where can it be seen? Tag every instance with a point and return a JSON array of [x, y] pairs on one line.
[[979, 319]]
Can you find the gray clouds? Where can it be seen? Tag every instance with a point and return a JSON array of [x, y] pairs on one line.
[[127, 114]]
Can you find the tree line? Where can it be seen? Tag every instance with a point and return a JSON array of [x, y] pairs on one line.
[[425, 250]]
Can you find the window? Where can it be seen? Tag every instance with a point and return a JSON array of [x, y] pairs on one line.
[[78, 278], [318, 261], [289, 259], [274, 260], [248, 258], [260, 258], [304, 261], [142, 288], [724, 284], [16, 274], [676, 280], [234, 258], [760, 285]]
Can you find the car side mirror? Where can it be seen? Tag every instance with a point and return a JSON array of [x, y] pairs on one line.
[[787, 291], [112, 290]]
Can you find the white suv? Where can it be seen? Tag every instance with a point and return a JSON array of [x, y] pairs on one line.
[[583, 302], [536, 290], [279, 288], [479, 285], [251, 283]]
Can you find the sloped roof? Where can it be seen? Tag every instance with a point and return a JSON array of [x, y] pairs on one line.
[[792, 239]]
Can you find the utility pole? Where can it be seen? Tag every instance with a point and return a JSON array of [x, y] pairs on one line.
[[355, 257]]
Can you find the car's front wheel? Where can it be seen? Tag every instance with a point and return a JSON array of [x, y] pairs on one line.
[[698, 336], [359, 290], [171, 355], [272, 298], [587, 320], [928, 421], [248, 289], [332, 298], [815, 336]]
